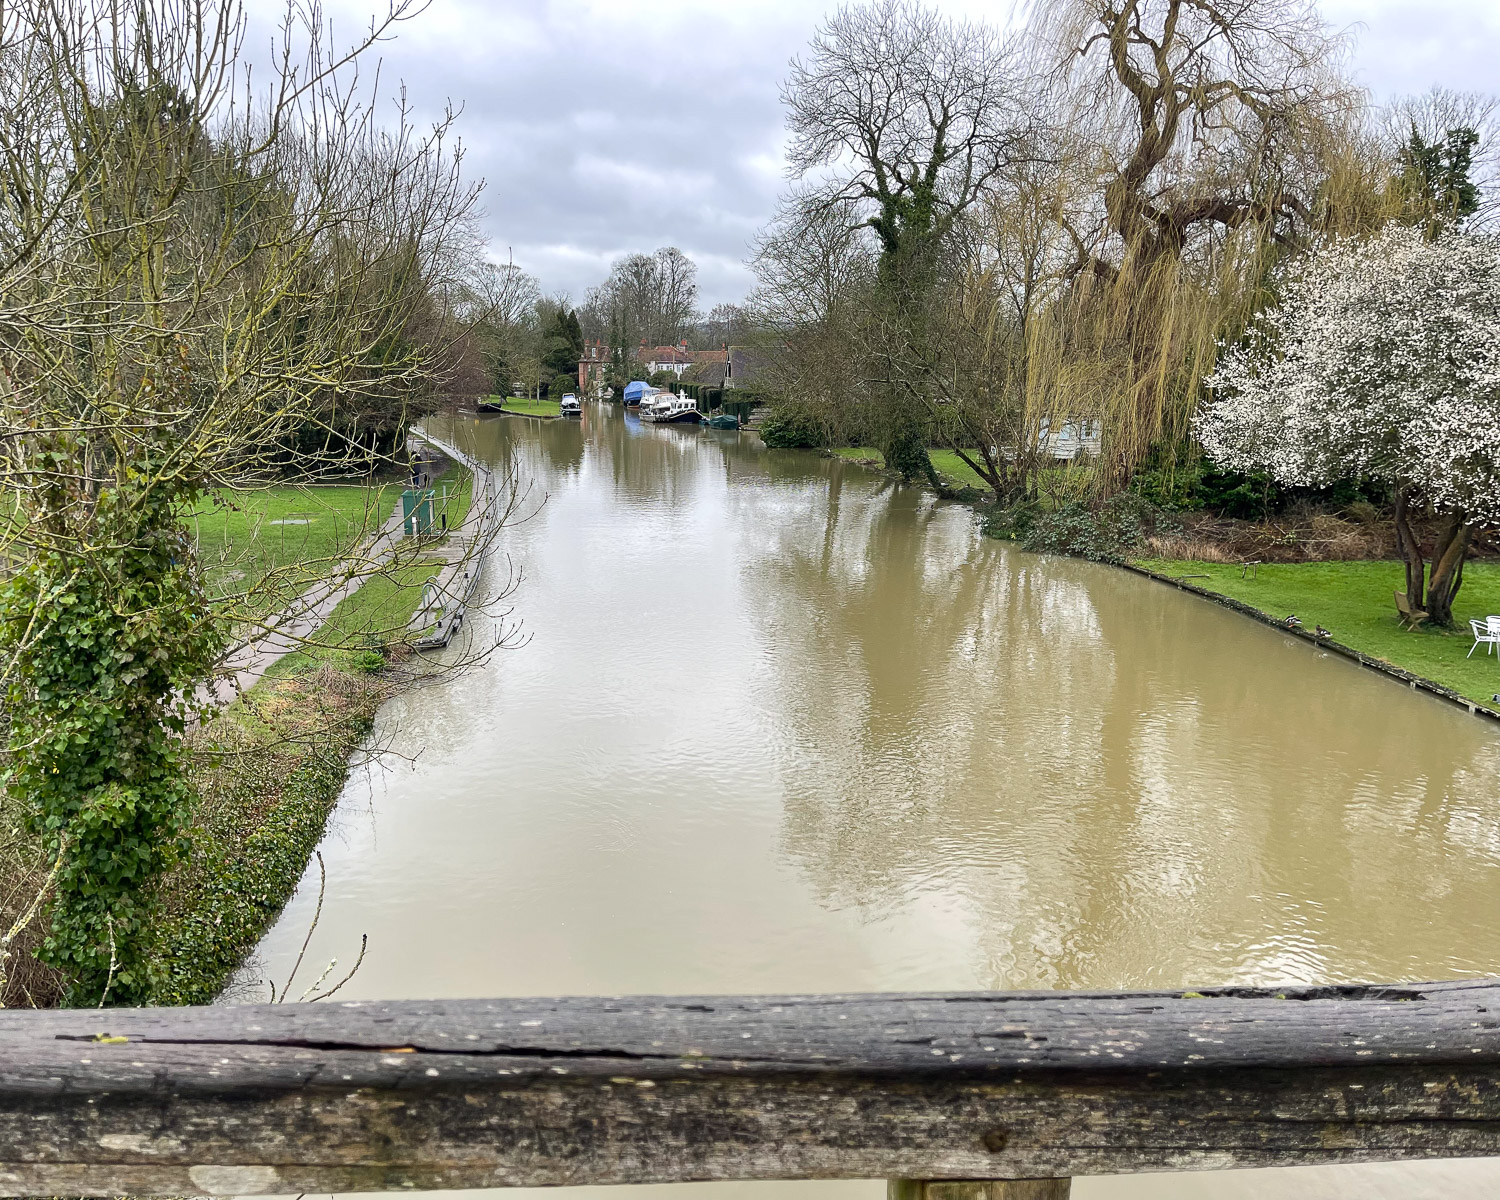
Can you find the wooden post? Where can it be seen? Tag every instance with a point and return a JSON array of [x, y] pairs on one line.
[[978, 1189]]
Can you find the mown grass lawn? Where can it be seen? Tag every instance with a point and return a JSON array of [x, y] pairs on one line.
[[947, 463], [1353, 601], [526, 407], [298, 532]]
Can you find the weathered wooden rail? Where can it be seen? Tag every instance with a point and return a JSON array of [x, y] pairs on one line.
[[481, 1093]]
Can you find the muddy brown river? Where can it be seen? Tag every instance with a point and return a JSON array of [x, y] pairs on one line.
[[781, 726]]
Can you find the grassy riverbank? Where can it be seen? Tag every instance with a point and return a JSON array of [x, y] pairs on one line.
[[947, 463], [523, 406], [1353, 601], [266, 772]]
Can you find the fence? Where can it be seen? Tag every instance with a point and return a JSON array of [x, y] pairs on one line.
[[345, 1097]]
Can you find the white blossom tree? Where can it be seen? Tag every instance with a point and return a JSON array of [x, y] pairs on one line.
[[1382, 361]]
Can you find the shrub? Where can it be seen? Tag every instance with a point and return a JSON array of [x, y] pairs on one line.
[[1009, 522], [789, 427], [1105, 534]]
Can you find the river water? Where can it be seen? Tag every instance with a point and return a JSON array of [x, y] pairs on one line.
[[781, 726]]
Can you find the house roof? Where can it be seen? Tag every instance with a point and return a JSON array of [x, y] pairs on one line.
[[677, 354], [748, 365], [708, 371]]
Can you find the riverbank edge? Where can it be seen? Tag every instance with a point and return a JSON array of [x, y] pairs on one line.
[[1389, 669], [230, 890], [226, 896]]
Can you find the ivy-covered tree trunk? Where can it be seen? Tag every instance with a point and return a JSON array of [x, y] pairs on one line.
[[105, 651]]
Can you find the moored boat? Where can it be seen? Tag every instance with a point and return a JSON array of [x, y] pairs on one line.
[[673, 410], [722, 421], [636, 391], [654, 403], [569, 406]]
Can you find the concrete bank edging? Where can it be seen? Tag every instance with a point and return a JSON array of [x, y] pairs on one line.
[[456, 601], [1398, 674]]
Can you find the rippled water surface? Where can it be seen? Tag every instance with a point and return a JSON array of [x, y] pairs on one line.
[[781, 726]]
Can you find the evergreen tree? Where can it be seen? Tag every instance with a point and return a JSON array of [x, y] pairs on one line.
[[1435, 177]]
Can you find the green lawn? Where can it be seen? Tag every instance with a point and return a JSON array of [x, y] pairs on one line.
[[460, 485], [277, 541], [947, 463], [374, 617], [294, 534], [527, 407], [1353, 600]]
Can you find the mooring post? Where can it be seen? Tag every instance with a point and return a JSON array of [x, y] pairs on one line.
[[978, 1189]]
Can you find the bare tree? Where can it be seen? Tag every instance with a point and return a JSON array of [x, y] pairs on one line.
[[200, 283], [676, 299], [903, 116], [811, 263], [648, 299]]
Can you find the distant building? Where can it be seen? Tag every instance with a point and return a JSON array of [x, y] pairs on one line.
[[676, 359], [710, 372], [748, 367], [1071, 438], [592, 364]]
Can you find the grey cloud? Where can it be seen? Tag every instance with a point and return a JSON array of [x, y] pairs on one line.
[[605, 128]]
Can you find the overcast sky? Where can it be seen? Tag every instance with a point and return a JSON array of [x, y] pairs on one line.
[[604, 127]]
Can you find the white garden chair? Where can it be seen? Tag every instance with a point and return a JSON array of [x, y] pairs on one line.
[[1486, 633]]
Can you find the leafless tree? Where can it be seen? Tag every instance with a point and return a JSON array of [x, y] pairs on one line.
[[648, 298], [900, 117], [203, 282]]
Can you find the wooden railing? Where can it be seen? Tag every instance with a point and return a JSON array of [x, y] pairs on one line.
[[348, 1097]]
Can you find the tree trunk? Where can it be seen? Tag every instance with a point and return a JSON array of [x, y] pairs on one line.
[[1448, 568], [1410, 603]]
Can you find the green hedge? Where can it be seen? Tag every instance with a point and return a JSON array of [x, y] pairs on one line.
[[788, 427]]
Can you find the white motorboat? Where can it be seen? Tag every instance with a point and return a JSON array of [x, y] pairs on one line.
[[569, 406], [655, 403], [673, 410]]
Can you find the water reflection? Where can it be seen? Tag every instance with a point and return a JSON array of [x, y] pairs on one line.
[[784, 727], [1110, 786]]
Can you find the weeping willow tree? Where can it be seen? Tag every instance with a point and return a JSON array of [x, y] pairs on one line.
[[1201, 142], [193, 274]]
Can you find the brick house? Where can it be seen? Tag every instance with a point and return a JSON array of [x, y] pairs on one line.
[[592, 364]]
